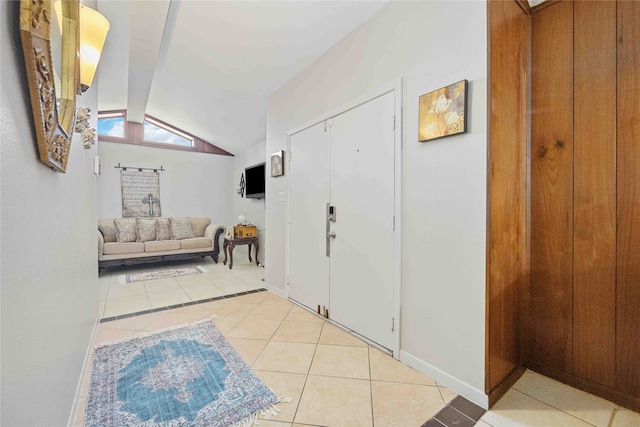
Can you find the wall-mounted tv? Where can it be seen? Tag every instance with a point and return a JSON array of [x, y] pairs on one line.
[[254, 181]]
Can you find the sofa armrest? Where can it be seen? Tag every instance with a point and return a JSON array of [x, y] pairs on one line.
[[100, 244], [213, 232]]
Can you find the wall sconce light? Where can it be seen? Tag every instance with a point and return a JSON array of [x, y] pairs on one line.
[[93, 32]]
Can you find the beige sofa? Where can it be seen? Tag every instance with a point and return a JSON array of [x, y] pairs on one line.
[[119, 244]]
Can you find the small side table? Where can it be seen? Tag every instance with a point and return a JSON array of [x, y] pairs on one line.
[[232, 243]]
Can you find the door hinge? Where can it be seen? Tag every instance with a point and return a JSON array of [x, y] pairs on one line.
[[326, 313], [319, 309], [393, 324]]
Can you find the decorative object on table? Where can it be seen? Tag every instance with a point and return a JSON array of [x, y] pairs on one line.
[[241, 185], [140, 193], [242, 231], [242, 220], [187, 376], [443, 112], [163, 274], [277, 163], [52, 91]]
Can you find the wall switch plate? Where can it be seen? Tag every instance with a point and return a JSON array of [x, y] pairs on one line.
[[282, 197]]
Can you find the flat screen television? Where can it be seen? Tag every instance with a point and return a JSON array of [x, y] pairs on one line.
[[254, 181]]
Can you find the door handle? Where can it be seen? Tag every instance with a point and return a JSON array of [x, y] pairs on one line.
[[332, 234]]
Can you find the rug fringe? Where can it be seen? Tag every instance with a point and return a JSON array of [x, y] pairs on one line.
[[266, 413], [150, 333]]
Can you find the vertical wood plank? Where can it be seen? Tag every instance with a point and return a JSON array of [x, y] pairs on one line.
[[507, 275], [628, 253], [550, 315], [594, 223]]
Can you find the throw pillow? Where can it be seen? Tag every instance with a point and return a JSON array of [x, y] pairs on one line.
[[125, 230], [162, 229], [146, 229], [180, 228]]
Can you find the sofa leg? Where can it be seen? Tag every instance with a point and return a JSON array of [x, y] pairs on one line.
[[216, 245]]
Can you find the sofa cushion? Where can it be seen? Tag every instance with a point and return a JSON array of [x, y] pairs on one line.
[[125, 230], [196, 243], [108, 229], [115, 248], [198, 225], [162, 245], [146, 229], [180, 228], [162, 229]]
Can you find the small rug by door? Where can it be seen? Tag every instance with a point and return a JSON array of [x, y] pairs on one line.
[[184, 376], [163, 274]]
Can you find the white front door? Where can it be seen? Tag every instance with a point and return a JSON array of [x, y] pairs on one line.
[[346, 162], [308, 197], [362, 191]]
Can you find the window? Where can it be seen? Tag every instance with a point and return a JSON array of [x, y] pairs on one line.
[[112, 124], [156, 131]]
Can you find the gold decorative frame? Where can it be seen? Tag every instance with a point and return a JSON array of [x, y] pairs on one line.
[[54, 124]]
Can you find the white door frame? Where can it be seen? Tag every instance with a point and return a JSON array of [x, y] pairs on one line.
[[396, 87]]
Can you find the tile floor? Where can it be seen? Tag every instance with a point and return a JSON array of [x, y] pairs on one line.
[[333, 378]]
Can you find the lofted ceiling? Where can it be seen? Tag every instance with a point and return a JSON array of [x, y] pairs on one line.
[[208, 67]]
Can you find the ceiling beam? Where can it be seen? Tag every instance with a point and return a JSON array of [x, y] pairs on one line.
[[148, 19]]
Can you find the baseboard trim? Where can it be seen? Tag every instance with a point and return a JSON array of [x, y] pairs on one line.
[[471, 393], [282, 292], [507, 382], [84, 371]]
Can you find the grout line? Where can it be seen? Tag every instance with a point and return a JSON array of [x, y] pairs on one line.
[[613, 415], [180, 305]]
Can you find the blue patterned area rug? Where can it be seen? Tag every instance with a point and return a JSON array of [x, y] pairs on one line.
[[184, 376]]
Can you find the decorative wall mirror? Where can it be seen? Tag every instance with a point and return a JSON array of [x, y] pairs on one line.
[[50, 45]]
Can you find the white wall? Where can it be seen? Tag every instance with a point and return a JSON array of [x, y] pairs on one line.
[[430, 45], [252, 209], [49, 269], [193, 184]]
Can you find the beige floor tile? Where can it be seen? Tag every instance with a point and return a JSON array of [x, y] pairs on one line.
[[229, 281], [397, 404], [273, 297], [82, 406], [270, 423], [626, 418], [335, 336], [255, 298], [299, 314], [232, 308], [336, 402], [386, 368], [447, 394], [284, 385], [270, 311], [192, 280], [258, 329], [236, 289], [161, 284], [248, 349], [290, 357], [114, 308], [481, 423], [517, 409], [200, 293], [341, 361], [585, 406], [308, 332], [176, 317], [129, 289], [225, 324], [167, 299]]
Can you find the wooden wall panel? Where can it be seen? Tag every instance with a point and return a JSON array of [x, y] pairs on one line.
[[507, 182], [628, 255], [550, 316], [594, 191]]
